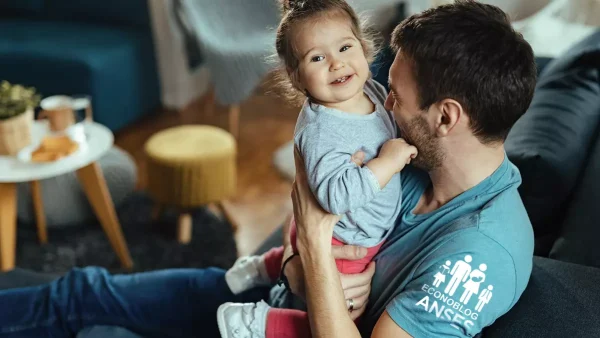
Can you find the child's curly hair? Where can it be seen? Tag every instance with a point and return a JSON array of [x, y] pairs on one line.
[[299, 11]]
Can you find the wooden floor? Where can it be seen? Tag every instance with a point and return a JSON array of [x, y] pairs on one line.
[[263, 196]]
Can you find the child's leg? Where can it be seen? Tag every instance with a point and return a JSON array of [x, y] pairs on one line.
[[252, 271], [286, 323], [273, 260]]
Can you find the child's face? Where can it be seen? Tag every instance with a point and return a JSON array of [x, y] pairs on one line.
[[332, 64]]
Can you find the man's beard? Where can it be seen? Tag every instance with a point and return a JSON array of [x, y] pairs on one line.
[[417, 133]]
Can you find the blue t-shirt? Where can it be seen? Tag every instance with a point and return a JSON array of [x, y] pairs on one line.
[[454, 271]]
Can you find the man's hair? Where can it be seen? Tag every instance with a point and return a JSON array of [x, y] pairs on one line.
[[468, 51]]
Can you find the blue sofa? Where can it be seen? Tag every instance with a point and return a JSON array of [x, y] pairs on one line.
[[100, 48]]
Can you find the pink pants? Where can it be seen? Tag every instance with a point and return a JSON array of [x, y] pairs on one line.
[[287, 323]]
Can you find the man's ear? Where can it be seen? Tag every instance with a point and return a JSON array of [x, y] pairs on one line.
[[449, 114]]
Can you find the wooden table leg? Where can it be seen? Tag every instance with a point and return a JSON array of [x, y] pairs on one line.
[[94, 185], [184, 228], [8, 225], [38, 206]]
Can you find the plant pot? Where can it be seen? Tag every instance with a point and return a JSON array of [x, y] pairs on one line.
[[15, 133]]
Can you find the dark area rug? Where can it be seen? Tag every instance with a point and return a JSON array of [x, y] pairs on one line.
[[152, 244]]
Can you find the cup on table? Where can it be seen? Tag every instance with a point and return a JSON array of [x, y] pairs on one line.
[[58, 109], [82, 106]]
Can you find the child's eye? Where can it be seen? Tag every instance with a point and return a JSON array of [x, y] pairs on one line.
[[345, 48], [317, 58]]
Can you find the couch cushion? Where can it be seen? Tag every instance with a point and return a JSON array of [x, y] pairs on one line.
[[133, 13], [21, 7], [580, 234], [550, 142], [559, 301], [116, 66]]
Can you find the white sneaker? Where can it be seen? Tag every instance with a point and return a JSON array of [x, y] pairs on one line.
[[238, 320], [247, 273]]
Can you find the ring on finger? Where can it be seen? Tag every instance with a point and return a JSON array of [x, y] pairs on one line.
[[350, 304]]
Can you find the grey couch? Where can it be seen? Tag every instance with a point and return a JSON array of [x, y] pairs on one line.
[[556, 146]]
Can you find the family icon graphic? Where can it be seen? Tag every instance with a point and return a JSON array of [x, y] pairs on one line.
[[440, 276], [484, 298], [471, 280], [460, 273], [476, 277]]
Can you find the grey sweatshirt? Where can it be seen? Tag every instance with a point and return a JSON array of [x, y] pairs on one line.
[[327, 138]]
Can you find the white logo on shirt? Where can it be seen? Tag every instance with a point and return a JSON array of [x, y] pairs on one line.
[[468, 282], [462, 272], [484, 298]]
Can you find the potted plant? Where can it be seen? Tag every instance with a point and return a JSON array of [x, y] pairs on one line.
[[16, 116]]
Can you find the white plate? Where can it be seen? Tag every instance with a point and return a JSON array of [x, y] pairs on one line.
[[75, 133]]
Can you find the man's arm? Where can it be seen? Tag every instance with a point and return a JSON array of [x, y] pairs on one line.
[[326, 304], [356, 286], [386, 327], [325, 300], [327, 310]]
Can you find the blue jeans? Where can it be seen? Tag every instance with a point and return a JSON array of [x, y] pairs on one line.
[[166, 303]]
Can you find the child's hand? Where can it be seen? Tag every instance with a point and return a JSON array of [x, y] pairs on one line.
[[397, 153]]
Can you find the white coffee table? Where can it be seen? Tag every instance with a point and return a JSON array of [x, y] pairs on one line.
[[95, 140]]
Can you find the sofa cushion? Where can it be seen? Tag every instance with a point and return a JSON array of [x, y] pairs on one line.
[[116, 66], [550, 142], [580, 234], [559, 301], [132, 13], [21, 7]]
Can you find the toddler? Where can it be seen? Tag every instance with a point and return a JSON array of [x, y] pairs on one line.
[[325, 56]]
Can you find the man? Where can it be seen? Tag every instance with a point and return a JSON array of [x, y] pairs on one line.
[[460, 79]]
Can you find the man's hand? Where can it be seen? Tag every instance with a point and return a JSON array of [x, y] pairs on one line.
[[314, 225], [356, 286]]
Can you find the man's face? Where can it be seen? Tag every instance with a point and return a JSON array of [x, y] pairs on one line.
[[414, 123]]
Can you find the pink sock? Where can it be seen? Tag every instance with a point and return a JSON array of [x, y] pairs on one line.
[[273, 259], [286, 323]]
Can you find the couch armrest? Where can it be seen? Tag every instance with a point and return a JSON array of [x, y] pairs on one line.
[[560, 301]]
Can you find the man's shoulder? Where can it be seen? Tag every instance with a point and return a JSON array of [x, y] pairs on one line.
[[500, 230], [504, 219], [465, 282]]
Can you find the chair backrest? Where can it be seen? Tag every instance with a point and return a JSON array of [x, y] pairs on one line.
[[231, 20]]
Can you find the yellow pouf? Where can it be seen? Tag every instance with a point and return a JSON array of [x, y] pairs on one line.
[[191, 166]]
